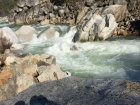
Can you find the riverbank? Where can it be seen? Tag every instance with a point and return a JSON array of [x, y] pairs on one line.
[[79, 91]]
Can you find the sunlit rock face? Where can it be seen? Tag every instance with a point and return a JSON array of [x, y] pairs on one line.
[[7, 38], [17, 74], [77, 12]]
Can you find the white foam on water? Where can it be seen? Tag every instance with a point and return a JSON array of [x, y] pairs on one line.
[[62, 44], [105, 59]]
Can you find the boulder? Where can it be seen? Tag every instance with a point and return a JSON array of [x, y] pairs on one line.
[[98, 27], [15, 47], [79, 91], [25, 72], [49, 33], [26, 33], [23, 82], [110, 28], [31, 70], [4, 76], [9, 60], [54, 73], [119, 11], [7, 38]]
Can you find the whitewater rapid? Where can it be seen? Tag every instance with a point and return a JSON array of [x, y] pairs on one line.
[[118, 57], [114, 58]]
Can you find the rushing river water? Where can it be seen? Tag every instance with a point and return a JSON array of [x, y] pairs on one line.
[[117, 57]]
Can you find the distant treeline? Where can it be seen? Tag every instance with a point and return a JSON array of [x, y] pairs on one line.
[[6, 6]]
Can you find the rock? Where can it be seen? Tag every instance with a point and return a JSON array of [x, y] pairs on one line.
[[61, 12], [20, 18], [97, 27], [9, 60], [119, 11], [17, 47], [72, 21], [51, 15], [120, 2], [54, 73], [4, 76], [8, 38], [45, 22], [58, 73], [96, 24], [41, 69], [8, 90], [89, 2], [96, 91], [55, 8], [46, 60], [2, 96], [109, 30], [4, 19], [18, 74], [23, 82], [51, 60], [26, 36], [49, 33], [31, 70], [81, 14]]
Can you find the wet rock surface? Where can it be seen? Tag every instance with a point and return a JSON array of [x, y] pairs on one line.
[[78, 91]]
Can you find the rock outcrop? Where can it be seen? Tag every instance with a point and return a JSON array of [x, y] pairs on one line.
[[78, 91], [19, 73]]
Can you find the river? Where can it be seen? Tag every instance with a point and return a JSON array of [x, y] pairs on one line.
[[117, 57]]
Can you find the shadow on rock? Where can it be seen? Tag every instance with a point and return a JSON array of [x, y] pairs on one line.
[[20, 103], [38, 100]]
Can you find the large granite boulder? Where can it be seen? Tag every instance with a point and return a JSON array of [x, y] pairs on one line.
[[97, 28], [79, 91]]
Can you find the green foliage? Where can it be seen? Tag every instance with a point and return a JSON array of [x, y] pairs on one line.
[[6, 6]]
